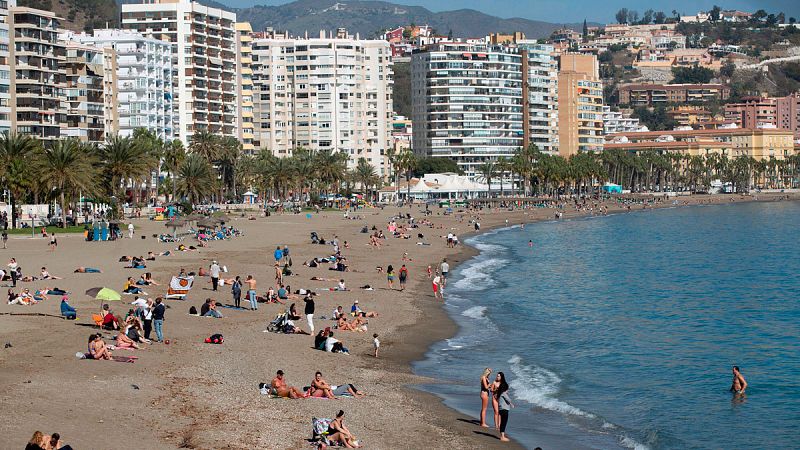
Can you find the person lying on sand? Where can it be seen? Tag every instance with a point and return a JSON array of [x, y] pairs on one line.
[[281, 389], [87, 270], [45, 275]]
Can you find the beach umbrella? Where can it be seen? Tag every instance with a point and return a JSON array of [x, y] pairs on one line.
[[104, 294], [207, 223]]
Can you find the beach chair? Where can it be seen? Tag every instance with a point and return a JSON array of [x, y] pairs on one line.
[[98, 320]]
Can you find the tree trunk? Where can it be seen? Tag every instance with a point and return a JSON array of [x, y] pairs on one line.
[[13, 210], [63, 211]]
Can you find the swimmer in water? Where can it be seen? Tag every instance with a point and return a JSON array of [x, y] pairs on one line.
[[530, 243], [738, 385]]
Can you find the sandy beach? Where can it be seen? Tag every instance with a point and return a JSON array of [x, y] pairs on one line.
[[190, 394]]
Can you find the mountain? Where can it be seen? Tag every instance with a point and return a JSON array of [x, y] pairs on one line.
[[79, 15], [368, 18]]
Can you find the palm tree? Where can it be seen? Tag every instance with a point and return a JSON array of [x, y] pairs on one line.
[[174, 154], [15, 170], [155, 149], [230, 150], [195, 178], [331, 167], [205, 144], [366, 175], [406, 162], [488, 171], [67, 165], [122, 161]]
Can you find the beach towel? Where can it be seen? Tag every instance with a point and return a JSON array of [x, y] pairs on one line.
[[124, 359], [179, 287]]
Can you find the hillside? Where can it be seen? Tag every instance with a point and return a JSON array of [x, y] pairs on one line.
[[79, 15], [371, 17]]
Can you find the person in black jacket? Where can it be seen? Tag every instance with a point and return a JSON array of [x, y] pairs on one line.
[[158, 318]]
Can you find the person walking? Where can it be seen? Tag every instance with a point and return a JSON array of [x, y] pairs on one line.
[[251, 292], [236, 291], [278, 254], [53, 242], [437, 287], [503, 403], [285, 254], [444, 268], [158, 319], [5, 239], [309, 311], [130, 230], [403, 276], [213, 270]]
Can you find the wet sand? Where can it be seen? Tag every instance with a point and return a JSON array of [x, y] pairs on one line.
[[189, 394]]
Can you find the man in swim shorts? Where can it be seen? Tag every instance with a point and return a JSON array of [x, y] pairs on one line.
[[739, 384]]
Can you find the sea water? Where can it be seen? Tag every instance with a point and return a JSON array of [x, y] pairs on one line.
[[621, 331]]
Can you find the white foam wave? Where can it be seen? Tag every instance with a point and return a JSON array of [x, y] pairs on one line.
[[625, 441], [476, 312], [478, 276], [538, 386]]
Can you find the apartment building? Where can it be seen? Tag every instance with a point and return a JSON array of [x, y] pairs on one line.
[[619, 122], [143, 84], [326, 93], [37, 102], [474, 102], [244, 84], [580, 105], [540, 96], [733, 142], [204, 61], [655, 94], [755, 112], [5, 70], [690, 115], [90, 89]]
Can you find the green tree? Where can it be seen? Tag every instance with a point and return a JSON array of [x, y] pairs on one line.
[[16, 151], [174, 154], [195, 178], [622, 15], [122, 162], [67, 166], [692, 75]]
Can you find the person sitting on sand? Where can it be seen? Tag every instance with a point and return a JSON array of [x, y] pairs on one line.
[[97, 348], [341, 286], [209, 309], [281, 389], [40, 295], [131, 288], [338, 312], [67, 311], [319, 339], [87, 270], [134, 331], [110, 322], [333, 345], [146, 280], [343, 324], [38, 441], [338, 432], [283, 293], [123, 341], [45, 275], [320, 388]]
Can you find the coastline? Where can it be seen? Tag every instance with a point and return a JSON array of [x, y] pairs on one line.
[[194, 395], [444, 326]]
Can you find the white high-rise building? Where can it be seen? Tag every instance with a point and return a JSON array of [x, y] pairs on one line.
[[470, 104], [204, 61], [5, 70], [144, 80], [327, 93]]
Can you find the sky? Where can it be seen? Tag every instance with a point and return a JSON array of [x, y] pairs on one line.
[[566, 11]]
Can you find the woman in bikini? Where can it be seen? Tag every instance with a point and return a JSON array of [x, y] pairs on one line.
[[338, 432], [97, 348], [485, 395], [343, 325], [123, 341]]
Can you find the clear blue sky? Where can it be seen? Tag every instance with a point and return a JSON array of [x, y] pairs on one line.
[[576, 10]]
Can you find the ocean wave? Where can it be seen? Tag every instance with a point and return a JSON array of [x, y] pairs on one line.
[[478, 276], [538, 386], [476, 312]]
